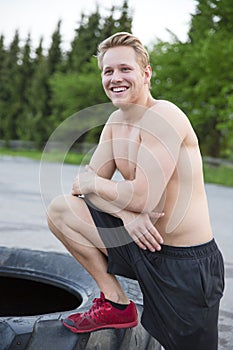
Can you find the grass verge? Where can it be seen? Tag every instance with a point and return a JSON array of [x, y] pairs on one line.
[[221, 175], [70, 158]]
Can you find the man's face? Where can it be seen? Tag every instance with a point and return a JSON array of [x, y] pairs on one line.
[[122, 77]]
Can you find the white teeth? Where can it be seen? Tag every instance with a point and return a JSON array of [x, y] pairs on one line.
[[119, 89]]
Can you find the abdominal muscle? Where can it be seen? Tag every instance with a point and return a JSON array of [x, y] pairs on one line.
[[186, 220]]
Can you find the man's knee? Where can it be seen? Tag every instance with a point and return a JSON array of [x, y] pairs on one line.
[[64, 208], [56, 206], [56, 211]]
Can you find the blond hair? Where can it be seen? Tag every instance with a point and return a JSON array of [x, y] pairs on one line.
[[124, 39]]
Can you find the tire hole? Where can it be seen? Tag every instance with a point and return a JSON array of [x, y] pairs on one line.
[[27, 297]]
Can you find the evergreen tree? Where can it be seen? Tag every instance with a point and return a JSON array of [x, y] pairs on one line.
[[81, 86], [109, 25], [119, 20], [2, 87], [55, 58], [92, 30], [40, 109], [26, 72], [38, 100], [125, 20], [85, 42], [2, 54], [10, 101], [202, 23], [223, 12]]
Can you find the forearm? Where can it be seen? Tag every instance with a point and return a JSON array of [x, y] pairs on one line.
[[124, 195], [106, 206], [131, 195]]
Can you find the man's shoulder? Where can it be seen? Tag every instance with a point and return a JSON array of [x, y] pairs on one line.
[[115, 117], [165, 116], [171, 113], [167, 108]]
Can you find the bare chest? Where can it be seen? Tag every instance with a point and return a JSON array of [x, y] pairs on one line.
[[126, 141]]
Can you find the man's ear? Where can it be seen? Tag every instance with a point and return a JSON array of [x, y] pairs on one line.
[[148, 74]]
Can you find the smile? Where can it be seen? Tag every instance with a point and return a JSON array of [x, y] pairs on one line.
[[119, 89]]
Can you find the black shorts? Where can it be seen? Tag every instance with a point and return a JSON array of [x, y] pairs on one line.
[[181, 286]]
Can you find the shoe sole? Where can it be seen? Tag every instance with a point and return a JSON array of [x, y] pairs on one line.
[[112, 326]]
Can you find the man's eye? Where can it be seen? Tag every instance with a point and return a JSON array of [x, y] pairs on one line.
[[108, 72], [125, 69]]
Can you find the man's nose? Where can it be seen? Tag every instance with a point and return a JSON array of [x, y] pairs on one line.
[[116, 77]]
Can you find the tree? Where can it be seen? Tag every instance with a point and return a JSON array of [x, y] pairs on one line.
[[2, 90], [198, 75], [72, 92], [26, 72], [80, 86], [125, 20], [40, 109], [10, 100], [92, 30], [55, 58], [119, 20], [223, 12], [109, 25], [202, 23], [36, 109], [211, 40], [84, 45]]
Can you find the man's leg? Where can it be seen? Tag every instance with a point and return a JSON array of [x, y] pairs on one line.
[[70, 221]]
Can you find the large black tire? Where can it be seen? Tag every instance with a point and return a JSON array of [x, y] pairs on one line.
[[45, 331]]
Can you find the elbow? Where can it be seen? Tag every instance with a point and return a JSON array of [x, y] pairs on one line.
[[136, 197], [142, 207], [143, 200], [141, 203]]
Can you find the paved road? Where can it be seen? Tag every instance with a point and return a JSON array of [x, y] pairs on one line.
[[27, 186]]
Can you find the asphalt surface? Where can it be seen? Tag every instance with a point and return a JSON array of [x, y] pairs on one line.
[[26, 188]]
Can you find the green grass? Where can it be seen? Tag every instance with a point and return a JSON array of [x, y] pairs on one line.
[[70, 158], [21, 153], [222, 175]]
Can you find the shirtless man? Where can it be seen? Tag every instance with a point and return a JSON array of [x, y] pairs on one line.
[[152, 226]]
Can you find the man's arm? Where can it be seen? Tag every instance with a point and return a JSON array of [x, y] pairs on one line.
[[139, 226], [161, 137], [102, 161]]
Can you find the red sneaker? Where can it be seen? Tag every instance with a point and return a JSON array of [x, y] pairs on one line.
[[102, 315]]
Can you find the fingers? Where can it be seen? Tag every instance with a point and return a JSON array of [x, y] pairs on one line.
[[139, 243], [145, 242], [150, 239], [155, 234], [143, 231]]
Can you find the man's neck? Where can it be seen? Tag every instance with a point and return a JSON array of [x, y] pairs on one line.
[[134, 112]]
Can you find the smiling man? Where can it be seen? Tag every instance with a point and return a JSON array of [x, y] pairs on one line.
[[153, 226]]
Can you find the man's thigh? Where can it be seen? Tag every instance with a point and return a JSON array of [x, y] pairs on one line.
[[79, 224]]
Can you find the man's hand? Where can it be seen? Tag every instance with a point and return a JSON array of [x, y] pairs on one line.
[[84, 182], [141, 229]]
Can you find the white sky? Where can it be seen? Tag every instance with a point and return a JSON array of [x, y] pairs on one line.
[[40, 18]]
